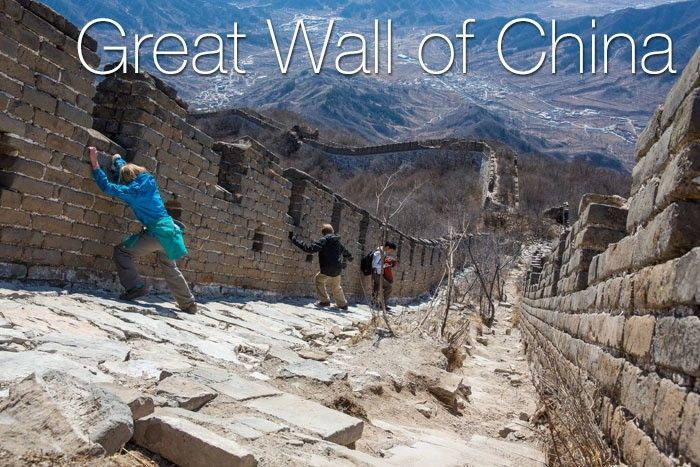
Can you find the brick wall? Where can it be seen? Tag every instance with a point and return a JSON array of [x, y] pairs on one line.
[[53, 221], [235, 199], [617, 297]]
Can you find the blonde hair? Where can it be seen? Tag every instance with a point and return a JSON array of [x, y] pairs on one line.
[[129, 172], [326, 229]]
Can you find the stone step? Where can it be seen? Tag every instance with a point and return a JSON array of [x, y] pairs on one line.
[[242, 389], [329, 424], [247, 427], [188, 444]]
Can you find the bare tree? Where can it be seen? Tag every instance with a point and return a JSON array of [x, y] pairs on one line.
[[386, 208], [496, 254]]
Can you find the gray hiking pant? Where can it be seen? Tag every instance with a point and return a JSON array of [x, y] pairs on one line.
[[129, 277], [386, 287]]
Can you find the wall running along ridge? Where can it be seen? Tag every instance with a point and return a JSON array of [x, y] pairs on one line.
[[618, 296], [236, 201], [451, 152]]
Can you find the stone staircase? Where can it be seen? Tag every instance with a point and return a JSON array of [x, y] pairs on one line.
[[189, 382]]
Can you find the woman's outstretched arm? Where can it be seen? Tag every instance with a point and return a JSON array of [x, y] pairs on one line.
[[112, 189]]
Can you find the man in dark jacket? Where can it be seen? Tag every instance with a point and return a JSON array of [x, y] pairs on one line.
[[331, 259]]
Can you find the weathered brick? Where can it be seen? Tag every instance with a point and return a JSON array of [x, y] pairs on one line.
[[9, 124], [667, 414], [638, 392], [601, 215], [689, 80], [51, 224], [46, 273], [639, 332], [686, 126], [12, 270], [671, 234], [12, 216], [18, 182], [64, 145], [641, 205], [61, 243], [689, 440], [73, 114], [652, 163], [676, 344], [38, 205], [39, 99], [10, 199], [41, 27], [53, 123], [77, 198], [635, 444], [680, 180], [649, 135]]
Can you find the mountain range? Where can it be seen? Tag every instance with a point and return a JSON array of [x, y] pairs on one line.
[[592, 117]]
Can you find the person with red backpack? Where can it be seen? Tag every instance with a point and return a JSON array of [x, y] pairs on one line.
[[382, 275]]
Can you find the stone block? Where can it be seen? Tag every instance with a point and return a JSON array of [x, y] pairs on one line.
[[187, 444], [667, 414], [188, 394], [670, 235], [603, 215], [329, 424], [676, 344], [642, 205], [638, 392], [686, 126], [596, 238], [635, 444], [140, 404], [608, 200], [50, 409], [242, 389], [680, 180], [649, 135], [638, 336], [688, 81], [689, 440], [652, 163]]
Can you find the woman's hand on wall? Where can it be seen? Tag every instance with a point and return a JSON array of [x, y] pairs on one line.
[[92, 152]]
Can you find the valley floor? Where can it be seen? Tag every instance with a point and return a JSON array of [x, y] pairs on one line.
[[271, 380]]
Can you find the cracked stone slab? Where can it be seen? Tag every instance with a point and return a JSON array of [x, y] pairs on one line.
[[19, 365], [136, 369], [84, 348], [139, 403], [329, 424], [315, 370], [187, 393], [186, 443], [55, 412], [242, 389]]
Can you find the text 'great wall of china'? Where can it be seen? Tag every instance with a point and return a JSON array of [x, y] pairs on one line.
[[616, 299]]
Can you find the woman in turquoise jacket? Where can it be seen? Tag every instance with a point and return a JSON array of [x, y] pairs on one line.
[[137, 188]]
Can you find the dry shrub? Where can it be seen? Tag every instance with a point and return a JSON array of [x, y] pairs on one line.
[[576, 439]]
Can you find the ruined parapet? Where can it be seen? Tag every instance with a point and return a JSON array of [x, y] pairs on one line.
[[54, 221], [624, 313]]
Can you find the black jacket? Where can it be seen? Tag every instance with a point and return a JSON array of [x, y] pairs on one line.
[[331, 253]]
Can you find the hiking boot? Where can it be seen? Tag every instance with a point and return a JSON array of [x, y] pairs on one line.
[[190, 309], [134, 293], [322, 304]]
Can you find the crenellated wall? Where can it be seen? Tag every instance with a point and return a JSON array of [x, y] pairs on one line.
[[236, 201], [617, 297]]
